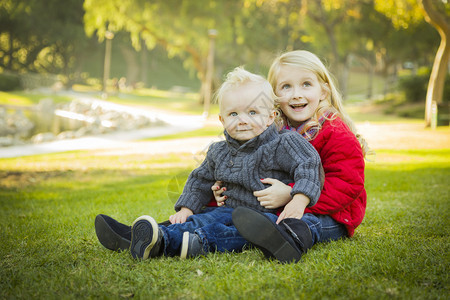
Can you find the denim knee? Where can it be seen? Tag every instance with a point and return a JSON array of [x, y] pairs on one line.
[[324, 228]]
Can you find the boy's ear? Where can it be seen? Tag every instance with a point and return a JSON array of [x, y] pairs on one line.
[[272, 116], [221, 119]]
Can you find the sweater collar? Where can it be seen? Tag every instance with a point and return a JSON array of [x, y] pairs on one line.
[[255, 142]]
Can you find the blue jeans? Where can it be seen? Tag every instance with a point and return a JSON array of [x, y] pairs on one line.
[[214, 226], [324, 228]]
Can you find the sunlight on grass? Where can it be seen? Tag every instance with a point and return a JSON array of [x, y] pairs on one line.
[[389, 157], [14, 99], [24, 98], [84, 161]]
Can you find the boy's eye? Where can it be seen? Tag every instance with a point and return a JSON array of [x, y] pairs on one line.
[[233, 114], [252, 113]]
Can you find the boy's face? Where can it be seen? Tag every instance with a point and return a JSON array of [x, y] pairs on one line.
[[246, 111], [299, 93]]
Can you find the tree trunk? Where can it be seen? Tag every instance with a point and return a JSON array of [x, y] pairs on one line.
[[370, 80], [133, 67], [10, 52], [344, 75], [338, 65], [144, 63], [439, 20]]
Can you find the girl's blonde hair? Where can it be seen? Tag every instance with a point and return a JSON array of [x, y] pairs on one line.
[[332, 104], [238, 77]]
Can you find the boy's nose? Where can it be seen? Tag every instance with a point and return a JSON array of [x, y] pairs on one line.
[[243, 120]]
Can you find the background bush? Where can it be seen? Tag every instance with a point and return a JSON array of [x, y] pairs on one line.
[[414, 88], [9, 82]]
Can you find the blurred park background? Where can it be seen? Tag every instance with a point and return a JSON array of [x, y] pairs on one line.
[[105, 107], [52, 53]]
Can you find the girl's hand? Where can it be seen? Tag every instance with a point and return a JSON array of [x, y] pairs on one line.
[[277, 195], [218, 191], [295, 208], [181, 215]]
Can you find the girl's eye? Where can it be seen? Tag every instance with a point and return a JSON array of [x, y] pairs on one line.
[[233, 114], [252, 113], [306, 84], [285, 86]]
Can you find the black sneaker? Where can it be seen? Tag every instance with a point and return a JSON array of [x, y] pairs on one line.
[[191, 246], [274, 240], [146, 238], [111, 234]]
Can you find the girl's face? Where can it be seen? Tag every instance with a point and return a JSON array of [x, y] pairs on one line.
[[299, 93]]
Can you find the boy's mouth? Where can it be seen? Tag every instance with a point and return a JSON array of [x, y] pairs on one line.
[[243, 129]]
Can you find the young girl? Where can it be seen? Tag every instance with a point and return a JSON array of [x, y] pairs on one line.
[[311, 105]]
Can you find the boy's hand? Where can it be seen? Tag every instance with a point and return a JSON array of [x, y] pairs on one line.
[[277, 195], [295, 208], [181, 215], [218, 191]]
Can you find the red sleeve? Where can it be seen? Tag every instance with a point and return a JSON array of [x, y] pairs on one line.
[[343, 163]]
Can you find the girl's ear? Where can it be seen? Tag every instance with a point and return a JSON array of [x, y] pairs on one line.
[[325, 91]]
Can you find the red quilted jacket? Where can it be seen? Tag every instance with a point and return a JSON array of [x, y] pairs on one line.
[[343, 196]]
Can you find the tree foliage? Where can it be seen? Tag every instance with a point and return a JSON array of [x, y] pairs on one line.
[[377, 34], [42, 36]]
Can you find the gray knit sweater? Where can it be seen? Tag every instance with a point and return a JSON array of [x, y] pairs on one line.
[[285, 156]]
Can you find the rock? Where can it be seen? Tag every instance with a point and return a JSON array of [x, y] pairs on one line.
[[43, 137], [66, 135], [18, 124], [6, 141]]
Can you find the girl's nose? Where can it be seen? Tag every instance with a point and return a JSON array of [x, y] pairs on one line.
[[296, 93]]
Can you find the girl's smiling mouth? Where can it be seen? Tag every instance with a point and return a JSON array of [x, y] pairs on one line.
[[298, 106]]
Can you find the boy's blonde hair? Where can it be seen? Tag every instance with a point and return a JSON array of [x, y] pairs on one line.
[[332, 103], [238, 77]]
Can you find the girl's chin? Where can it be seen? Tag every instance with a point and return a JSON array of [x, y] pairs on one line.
[[297, 120]]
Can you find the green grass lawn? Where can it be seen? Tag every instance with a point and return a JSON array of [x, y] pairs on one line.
[[26, 98], [186, 103], [49, 249]]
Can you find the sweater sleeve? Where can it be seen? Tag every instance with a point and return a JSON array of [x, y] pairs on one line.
[[197, 190], [343, 164], [303, 163]]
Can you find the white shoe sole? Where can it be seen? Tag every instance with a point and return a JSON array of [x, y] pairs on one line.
[[184, 245], [141, 243]]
